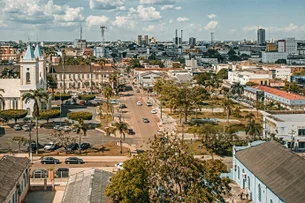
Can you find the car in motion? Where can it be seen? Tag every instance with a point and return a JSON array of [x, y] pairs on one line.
[[148, 103], [153, 111], [49, 160], [139, 103], [145, 120], [74, 160]]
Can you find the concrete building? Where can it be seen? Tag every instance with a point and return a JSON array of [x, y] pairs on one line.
[[139, 40], [14, 173], [145, 39], [272, 57], [80, 44], [288, 45], [271, 47], [192, 41], [287, 126], [8, 53], [243, 77], [269, 173], [261, 39], [101, 52], [32, 77]]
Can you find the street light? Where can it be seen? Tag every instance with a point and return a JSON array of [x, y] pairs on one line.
[[30, 142]]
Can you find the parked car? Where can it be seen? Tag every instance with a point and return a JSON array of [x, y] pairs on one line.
[[67, 128], [72, 147], [58, 127], [153, 111], [145, 120], [26, 128], [139, 103], [49, 160], [119, 166], [33, 145], [123, 106], [69, 102], [50, 147], [40, 173], [114, 101], [62, 173], [84, 146], [148, 103], [130, 132], [17, 127], [74, 160], [159, 132]]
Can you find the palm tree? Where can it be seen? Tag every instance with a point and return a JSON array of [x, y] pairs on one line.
[[253, 129], [237, 88], [38, 96], [113, 78], [108, 93], [122, 128], [227, 107], [80, 130], [2, 100]]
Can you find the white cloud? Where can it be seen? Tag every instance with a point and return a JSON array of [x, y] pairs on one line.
[[2, 24], [145, 13], [170, 21], [71, 15], [155, 28], [212, 16], [250, 28], [178, 8], [167, 7], [182, 19], [162, 2], [96, 20], [233, 30], [288, 28], [106, 4], [211, 25], [124, 22]]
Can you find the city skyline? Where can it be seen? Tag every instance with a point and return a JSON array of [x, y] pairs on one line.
[[59, 20]]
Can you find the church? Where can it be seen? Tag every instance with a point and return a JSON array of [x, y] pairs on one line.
[[32, 76]]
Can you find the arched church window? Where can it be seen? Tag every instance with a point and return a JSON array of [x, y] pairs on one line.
[[28, 77]]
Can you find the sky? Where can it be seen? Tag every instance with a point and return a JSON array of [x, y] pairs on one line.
[[60, 20]]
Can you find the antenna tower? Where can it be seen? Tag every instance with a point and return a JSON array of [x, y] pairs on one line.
[[103, 28], [212, 37], [81, 33]]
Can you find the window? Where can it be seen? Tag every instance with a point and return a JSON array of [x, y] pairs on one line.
[[249, 183], [83, 76], [259, 193], [238, 172], [301, 132], [88, 75], [271, 201], [28, 77]]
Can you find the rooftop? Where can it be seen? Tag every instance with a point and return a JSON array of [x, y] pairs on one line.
[[280, 169], [290, 117], [11, 168], [80, 69], [87, 186], [280, 93]]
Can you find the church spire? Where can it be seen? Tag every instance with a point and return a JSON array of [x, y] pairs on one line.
[[29, 54], [37, 52]]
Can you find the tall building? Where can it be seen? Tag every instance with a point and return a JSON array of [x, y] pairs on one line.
[[192, 41], [139, 40], [80, 43], [145, 39], [288, 45], [261, 36]]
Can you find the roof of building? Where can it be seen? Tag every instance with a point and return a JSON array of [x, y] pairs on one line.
[[156, 69], [29, 54], [87, 186], [280, 93], [37, 52], [80, 69], [290, 117], [11, 168], [280, 169]]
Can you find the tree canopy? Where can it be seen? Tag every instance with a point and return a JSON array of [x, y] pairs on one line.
[[79, 115], [47, 114], [62, 97], [86, 97], [222, 74], [13, 114], [168, 172]]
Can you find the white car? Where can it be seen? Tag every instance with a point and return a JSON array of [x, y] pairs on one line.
[[139, 103], [153, 111], [67, 128], [49, 146], [119, 166]]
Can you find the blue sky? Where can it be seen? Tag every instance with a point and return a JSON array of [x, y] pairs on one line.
[[51, 20]]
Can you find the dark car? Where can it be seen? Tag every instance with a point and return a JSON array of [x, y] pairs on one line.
[[49, 160], [130, 132], [72, 147], [123, 106], [73, 160], [84, 146], [145, 120], [34, 148], [40, 173], [62, 173]]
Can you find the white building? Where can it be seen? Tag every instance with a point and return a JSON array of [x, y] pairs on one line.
[[272, 57], [288, 45], [282, 72], [32, 77], [245, 76], [269, 173], [101, 52], [208, 60]]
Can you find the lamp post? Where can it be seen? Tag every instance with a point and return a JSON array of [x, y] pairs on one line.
[[30, 145]]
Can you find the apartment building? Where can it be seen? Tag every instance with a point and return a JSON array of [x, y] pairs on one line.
[[8, 53]]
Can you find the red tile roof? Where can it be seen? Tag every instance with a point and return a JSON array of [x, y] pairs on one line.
[[281, 93]]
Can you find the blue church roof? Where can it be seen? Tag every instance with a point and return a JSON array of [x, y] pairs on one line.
[[37, 52], [29, 54]]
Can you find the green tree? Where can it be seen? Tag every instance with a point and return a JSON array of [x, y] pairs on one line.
[[21, 141], [281, 61], [291, 87], [86, 97], [79, 115], [122, 128], [253, 129], [168, 172], [222, 74], [232, 52], [227, 107], [38, 96], [13, 114], [2, 100], [51, 82], [61, 96], [237, 88], [81, 130], [48, 114], [108, 93], [114, 80], [251, 83]]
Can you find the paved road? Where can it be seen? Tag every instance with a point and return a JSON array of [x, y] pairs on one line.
[[134, 116]]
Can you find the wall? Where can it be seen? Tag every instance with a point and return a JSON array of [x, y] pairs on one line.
[[272, 57]]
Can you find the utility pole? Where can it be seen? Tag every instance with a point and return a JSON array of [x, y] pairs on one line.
[[292, 138]]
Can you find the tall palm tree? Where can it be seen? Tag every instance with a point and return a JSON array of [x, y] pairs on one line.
[[253, 129], [113, 78], [108, 93], [2, 100], [38, 96], [80, 130], [237, 88], [227, 107], [122, 128]]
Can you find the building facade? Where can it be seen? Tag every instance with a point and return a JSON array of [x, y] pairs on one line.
[[8, 53], [192, 41], [14, 171], [288, 45], [139, 40], [261, 39], [272, 57]]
